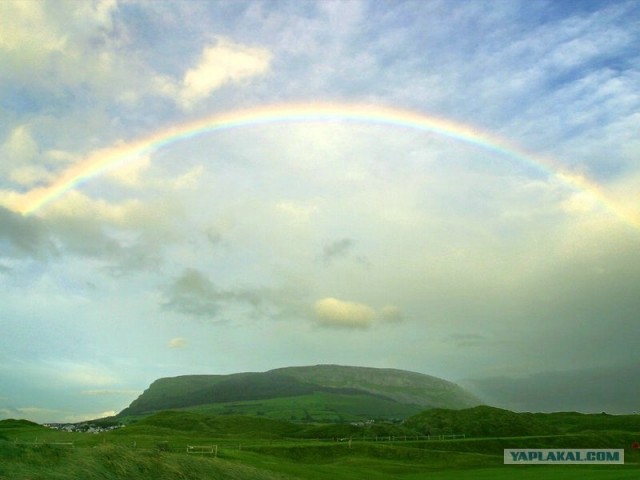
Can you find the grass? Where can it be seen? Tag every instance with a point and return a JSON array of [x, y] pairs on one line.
[[113, 462], [316, 407], [260, 448]]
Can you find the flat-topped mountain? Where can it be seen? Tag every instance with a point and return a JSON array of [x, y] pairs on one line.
[[400, 385], [312, 393]]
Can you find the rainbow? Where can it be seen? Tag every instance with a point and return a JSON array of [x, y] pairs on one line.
[[107, 159]]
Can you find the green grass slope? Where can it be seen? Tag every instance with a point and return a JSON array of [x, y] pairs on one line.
[[213, 426], [485, 421], [320, 407], [481, 421], [571, 422], [260, 448], [113, 462]]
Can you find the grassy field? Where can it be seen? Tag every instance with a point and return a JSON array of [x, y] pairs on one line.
[[259, 448], [316, 407]]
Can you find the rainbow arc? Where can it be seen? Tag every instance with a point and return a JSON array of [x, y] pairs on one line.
[[103, 160]]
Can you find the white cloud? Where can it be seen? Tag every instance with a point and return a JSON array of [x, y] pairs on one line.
[[298, 212], [130, 174], [28, 31], [332, 312], [177, 342], [222, 63], [67, 42], [20, 147], [20, 153]]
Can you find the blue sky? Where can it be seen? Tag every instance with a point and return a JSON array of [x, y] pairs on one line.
[[319, 242]]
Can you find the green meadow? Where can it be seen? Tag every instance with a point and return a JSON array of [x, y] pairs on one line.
[[317, 407], [260, 448]]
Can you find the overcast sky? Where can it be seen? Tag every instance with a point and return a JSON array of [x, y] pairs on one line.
[[342, 241]]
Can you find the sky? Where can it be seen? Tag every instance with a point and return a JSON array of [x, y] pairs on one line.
[[450, 188]]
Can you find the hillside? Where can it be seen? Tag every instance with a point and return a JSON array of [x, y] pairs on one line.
[[481, 421], [485, 421], [399, 385], [315, 393]]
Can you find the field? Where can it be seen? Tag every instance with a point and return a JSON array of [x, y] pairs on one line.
[[260, 448], [318, 407]]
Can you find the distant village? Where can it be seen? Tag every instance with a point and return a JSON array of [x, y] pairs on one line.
[[82, 427]]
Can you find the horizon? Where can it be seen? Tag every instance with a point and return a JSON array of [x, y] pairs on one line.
[[453, 191], [482, 404]]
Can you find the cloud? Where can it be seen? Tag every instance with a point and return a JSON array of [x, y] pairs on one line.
[[337, 249], [124, 236], [22, 412], [613, 389], [19, 151], [135, 174], [110, 392], [29, 33], [298, 212], [343, 248], [49, 46], [468, 339], [25, 236], [46, 415], [193, 293], [391, 313], [69, 417], [222, 63], [131, 173], [331, 312], [177, 342], [83, 374]]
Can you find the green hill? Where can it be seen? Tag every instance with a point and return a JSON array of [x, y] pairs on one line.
[[325, 393], [484, 421], [11, 423], [481, 421]]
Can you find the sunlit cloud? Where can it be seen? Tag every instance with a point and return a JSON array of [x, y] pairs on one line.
[[298, 212], [221, 63], [131, 173], [178, 342], [332, 312]]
